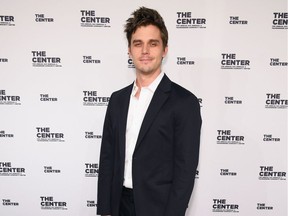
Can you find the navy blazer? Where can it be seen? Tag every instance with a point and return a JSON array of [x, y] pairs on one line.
[[166, 154]]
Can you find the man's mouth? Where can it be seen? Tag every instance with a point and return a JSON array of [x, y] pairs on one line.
[[146, 60]]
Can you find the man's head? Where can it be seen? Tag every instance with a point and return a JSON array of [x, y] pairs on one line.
[[144, 17]]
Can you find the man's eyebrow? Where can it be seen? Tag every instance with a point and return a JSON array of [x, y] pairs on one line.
[[154, 40], [136, 41], [151, 40]]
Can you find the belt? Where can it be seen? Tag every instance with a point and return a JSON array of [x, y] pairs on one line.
[[127, 191]]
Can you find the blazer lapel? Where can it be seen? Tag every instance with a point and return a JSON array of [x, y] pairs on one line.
[[125, 99], [160, 96]]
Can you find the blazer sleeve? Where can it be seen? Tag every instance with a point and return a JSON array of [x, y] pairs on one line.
[[106, 164], [186, 155]]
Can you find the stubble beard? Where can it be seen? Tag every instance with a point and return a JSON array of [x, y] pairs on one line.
[[147, 69]]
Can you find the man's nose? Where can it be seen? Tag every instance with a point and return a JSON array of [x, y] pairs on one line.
[[145, 49]]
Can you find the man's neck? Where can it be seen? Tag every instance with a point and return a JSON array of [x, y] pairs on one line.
[[144, 80]]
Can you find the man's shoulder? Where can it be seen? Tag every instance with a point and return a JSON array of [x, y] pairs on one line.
[[183, 99], [123, 91], [182, 92]]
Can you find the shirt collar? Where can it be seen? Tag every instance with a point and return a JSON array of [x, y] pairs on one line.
[[152, 87]]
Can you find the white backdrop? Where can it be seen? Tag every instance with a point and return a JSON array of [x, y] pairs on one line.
[[231, 54]]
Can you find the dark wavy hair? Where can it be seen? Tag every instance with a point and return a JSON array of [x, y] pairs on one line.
[[144, 17]]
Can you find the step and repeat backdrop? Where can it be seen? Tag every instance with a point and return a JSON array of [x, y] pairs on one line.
[[61, 60]]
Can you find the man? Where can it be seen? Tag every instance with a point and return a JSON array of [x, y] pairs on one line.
[[150, 143]]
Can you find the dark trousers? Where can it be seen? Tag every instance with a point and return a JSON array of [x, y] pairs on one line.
[[127, 207]]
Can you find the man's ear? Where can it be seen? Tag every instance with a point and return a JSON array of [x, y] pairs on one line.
[[165, 52], [129, 52]]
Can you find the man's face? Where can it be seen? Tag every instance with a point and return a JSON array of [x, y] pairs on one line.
[[146, 50]]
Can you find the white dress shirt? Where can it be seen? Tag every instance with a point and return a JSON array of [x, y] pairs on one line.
[[136, 113]]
